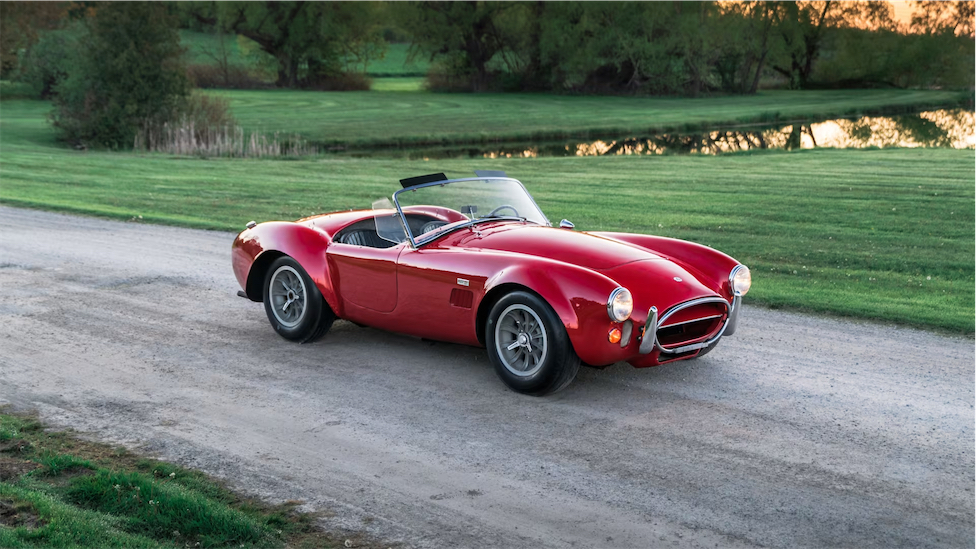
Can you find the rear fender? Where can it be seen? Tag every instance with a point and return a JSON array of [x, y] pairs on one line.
[[577, 295], [255, 249], [709, 265]]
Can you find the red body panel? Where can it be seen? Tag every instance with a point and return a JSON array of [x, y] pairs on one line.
[[436, 291]]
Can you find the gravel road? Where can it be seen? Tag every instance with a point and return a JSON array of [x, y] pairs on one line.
[[797, 432]]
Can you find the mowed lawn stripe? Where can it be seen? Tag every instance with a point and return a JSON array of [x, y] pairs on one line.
[[379, 118]]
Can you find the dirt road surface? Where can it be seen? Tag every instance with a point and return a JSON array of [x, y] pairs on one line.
[[797, 432]]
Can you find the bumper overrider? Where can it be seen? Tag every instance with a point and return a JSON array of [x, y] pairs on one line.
[[727, 320]]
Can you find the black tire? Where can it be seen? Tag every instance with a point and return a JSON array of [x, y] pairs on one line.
[[528, 345], [294, 304]]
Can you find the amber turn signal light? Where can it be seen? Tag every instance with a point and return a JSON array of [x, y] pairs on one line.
[[614, 335]]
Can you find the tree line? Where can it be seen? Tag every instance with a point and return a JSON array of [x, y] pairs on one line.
[[112, 66]]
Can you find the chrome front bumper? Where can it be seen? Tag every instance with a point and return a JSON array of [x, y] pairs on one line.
[[649, 342]]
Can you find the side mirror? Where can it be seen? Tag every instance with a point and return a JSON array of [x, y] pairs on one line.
[[566, 224]]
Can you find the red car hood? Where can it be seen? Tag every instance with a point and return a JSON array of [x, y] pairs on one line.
[[576, 248]]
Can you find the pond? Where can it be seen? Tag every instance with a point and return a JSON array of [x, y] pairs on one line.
[[947, 128]]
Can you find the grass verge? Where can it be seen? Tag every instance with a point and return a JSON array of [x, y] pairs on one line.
[[876, 234], [61, 492]]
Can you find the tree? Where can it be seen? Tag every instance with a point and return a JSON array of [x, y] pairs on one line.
[[308, 39], [943, 17], [462, 34], [21, 24], [128, 73], [803, 27]]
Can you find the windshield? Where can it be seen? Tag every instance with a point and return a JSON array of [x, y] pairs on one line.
[[431, 209]]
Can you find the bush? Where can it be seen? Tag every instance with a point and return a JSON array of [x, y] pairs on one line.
[[236, 77], [343, 81], [129, 73], [46, 64]]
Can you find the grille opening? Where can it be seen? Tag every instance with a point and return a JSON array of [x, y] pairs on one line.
[[688, 332]]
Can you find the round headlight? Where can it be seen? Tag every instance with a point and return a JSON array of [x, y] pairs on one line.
[[620, 305], [741, 280]]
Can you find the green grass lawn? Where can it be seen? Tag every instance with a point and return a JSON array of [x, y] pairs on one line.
[[60, 492], [397, 63], [878, 234], [371, 118]]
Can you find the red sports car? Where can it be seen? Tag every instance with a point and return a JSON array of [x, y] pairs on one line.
[[475, 261]]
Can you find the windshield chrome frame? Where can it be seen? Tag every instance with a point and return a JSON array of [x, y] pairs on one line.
[[414, 243]]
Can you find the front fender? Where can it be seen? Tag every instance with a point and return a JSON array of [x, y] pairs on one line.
[[577, 295], [709, 265], [254, 249]]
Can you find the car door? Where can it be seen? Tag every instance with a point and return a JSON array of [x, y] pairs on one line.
[[364, 276], [438, 292]]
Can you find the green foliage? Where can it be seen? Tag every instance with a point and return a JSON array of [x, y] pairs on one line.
[[122, 501], [129, 72], [679, 48], [47, 63], [64, 526], [21, 24], [56, 464], [862, 58], [158, 508], [312, 42]]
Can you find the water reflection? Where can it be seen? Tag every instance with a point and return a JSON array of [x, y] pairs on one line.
[[947, 128]]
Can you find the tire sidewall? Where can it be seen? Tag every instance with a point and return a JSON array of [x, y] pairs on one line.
[[313, 302], [560, 357]]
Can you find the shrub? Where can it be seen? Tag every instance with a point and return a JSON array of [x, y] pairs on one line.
[[46, 64], [129, 73], [235, 77], [343, 81]]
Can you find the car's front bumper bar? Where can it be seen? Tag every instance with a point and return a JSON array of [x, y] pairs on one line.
[[648, 338]]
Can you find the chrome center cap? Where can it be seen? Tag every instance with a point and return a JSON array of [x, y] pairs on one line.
[[523, 339]]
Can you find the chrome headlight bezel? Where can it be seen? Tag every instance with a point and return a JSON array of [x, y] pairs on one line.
[[740, 280], [620, 300]]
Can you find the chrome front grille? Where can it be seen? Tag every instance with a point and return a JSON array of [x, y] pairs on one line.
[[688, 326]]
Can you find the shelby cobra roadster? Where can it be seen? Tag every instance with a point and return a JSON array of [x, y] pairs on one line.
[[474, 261]]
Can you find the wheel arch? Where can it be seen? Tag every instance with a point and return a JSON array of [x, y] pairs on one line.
[[577, 295], [257, 248], [492, 297], [259, 273]]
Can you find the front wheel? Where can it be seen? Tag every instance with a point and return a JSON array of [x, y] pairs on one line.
[[294, 304], [528, 345]]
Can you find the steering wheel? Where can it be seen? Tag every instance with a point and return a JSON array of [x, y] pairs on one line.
[[503, 207]]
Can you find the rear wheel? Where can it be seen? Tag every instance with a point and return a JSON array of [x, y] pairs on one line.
[[528, 345], [294, 304]]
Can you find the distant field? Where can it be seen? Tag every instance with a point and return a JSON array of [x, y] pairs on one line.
[[879, 234], [371, 119]]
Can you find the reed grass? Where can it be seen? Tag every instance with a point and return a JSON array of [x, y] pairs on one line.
[[185, 138]]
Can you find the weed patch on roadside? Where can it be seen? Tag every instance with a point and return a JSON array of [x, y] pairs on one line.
[[59, 491]]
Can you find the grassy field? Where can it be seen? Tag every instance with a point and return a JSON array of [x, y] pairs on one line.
[[878, 234], [60, 492], [378, 119]]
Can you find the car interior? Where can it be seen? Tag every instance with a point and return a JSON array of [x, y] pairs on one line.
[[363, 233]]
